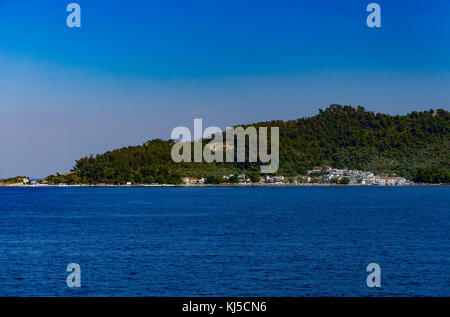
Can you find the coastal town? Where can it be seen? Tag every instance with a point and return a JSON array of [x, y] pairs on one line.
[[326, 175]]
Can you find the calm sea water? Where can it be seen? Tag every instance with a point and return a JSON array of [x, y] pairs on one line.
[[290, 241]]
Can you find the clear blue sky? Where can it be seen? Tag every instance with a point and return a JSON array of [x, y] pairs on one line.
[[136, 69]]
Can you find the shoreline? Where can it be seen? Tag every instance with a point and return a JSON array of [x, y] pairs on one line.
[[214, 185]]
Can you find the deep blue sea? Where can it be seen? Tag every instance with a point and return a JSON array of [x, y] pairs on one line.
[[278, 241]]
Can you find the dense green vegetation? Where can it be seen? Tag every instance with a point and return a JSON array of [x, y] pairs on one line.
[[416, 146], [344, 181], [432, 175]]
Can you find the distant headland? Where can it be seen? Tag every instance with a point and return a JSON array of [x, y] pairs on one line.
[[339, 145]]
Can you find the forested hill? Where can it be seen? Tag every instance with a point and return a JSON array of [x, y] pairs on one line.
[[414, 145]]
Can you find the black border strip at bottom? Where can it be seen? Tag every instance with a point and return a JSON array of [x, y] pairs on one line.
[[224, 306]]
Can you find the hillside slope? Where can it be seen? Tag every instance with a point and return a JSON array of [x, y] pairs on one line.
[[412, 145]]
